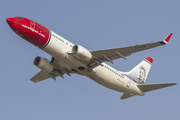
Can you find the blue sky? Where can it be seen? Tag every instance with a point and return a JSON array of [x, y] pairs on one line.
[[95, 24]]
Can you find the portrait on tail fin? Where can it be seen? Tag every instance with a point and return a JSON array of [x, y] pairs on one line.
[[140, 72], [142, 75]]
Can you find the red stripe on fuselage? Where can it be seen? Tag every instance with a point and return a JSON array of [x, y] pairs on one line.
[[31, 31]]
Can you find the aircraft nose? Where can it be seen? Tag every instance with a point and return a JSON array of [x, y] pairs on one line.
[[10, 21]]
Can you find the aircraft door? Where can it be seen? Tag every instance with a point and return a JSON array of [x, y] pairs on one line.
[[128, 83], [32, 24]]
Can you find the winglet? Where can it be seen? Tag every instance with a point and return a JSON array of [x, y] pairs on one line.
[[149, 59], [168, 38]]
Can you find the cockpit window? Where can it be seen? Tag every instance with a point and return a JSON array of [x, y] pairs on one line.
[[20, 18]]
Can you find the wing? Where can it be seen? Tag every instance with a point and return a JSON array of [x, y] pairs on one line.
[[42, 75], [58, 71], [100, 56]]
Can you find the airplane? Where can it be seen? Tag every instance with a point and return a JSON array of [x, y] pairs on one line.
[[68, 58]]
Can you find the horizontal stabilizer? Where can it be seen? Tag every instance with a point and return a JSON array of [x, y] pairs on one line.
[[150, 87], [126, 95]]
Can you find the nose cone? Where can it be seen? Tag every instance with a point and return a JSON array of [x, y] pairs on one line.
[[10, 21]]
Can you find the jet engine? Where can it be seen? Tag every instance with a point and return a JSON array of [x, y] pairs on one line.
[[44, 64], [81, 53]]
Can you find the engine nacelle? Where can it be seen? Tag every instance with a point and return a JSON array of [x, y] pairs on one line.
[[43, 64], [81, 53]]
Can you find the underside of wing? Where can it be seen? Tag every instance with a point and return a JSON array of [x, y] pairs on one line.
[[112, 54], [42, 75], [57, 71]]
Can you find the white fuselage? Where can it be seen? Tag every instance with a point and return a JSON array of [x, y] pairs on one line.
[[69, 58], [58, 48]]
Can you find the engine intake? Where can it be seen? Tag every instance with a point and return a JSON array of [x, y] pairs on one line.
[[81, 53], [44, 64]]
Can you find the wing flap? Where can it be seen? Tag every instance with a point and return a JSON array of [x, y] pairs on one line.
[[150, 87]]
